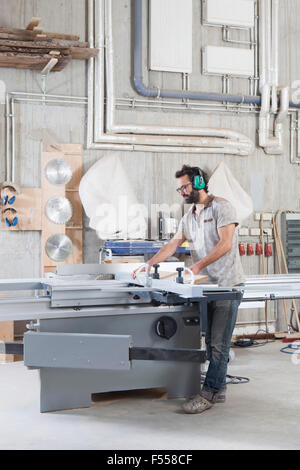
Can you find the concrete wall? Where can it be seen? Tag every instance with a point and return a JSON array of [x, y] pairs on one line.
[[269, 179]]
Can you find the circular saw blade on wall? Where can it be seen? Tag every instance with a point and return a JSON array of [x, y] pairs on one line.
[[58, 172], [59, 210], [58, 247]]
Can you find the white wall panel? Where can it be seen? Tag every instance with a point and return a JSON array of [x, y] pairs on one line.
[[230, 12], [171, 35], [228, 61]]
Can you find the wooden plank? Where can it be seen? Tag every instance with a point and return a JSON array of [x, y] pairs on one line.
[[76, 220], [76, 237], [199, 279], [53, 44], [31, 34], [36, 38], [31, 62], [18, 32], [32, 50], [67, 37], [68, 149], [24, 61], [122, 260], [42, 37], [31, 44], [48, 191], [23, 37], [38, 31], [83, 53], [75, 162], [7, 331], [65, 43], [49, 269], [6, 334], [72, 154], [40, 48], [33, 23]]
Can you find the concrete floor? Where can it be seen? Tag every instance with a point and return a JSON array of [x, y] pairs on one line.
[[263, 414]]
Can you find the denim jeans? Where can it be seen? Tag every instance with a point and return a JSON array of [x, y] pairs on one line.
[[221, 318]]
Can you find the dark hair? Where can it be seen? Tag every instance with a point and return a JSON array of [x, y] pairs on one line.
[[191, 172]]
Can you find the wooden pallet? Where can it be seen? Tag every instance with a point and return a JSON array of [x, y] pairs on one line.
[[11, 331]]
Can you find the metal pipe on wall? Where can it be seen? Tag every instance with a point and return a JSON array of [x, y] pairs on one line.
[[274, 144], [204, 96], [293, 128], [132, 103], [269, 34], [69, 97], [275, 39], [13, 157], [269, 78], [242, 142], [154, 92], [41, 98], [8, 115], [11, 99]]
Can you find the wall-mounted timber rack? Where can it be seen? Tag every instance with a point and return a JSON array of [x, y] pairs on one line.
[[32, 48]]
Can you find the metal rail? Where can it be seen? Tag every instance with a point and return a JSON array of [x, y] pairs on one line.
[[50, 298]]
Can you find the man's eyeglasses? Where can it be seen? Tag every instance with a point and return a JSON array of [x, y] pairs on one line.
[[182, 188]]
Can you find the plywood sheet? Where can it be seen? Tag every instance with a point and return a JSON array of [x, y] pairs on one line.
[[48, 191], [71, 153]]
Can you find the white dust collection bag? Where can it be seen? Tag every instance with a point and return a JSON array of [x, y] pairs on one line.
[[110, 202], [223, 184]]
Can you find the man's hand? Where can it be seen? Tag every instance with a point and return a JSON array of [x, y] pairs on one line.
[[164, 253], [133, 275], [195, 268]]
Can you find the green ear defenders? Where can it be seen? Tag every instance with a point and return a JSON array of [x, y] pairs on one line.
[[198, 181]]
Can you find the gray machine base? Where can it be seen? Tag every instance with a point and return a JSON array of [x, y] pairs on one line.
[[63, 388]]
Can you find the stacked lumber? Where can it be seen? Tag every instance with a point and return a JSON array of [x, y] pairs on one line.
[[32, 48]]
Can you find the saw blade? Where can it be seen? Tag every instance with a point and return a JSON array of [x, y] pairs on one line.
[[59, 210], [58, 172], [58, 247]]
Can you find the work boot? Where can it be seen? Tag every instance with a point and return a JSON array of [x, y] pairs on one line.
[[221, 395], [197, 404], [215, 397]]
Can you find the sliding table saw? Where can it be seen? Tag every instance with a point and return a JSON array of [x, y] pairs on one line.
[[92, 329]]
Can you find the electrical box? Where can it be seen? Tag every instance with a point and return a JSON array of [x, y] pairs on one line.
[[171, 35], [243, 231], [231, 61], [290, 232], [229, 13], [266, 216]]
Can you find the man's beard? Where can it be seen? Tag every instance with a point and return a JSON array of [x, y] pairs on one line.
[[192, 198]]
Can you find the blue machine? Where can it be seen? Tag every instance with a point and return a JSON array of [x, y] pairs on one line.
[[139, 247]]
